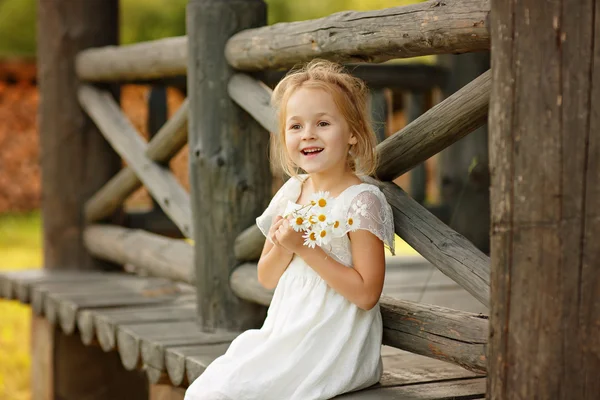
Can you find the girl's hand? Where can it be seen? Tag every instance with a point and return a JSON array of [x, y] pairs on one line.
[[274, 229], [287, 237]]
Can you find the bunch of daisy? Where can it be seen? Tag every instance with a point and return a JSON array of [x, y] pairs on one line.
[[316, 221]]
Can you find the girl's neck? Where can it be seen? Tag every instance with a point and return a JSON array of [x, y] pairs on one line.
[[332, 182]]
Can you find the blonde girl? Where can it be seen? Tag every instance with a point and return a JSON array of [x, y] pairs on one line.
[[322, 334]]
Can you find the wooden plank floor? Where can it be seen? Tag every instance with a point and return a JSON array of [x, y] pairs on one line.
[[150, 322]]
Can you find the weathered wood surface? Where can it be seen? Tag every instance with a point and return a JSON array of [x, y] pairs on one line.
[[459, 389], [153, 350], [448, 250], [254, 97], [161, 148], [118, 130], [140, 61], [130, 337], [432, 27], [438, 128], [105, 321], [230, 174], [249, 244], [75, 159], [244, 283], [436, 332], [176, 364], [154, 254], [545, 200]]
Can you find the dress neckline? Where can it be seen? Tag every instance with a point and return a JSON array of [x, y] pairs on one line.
[[305, 177]]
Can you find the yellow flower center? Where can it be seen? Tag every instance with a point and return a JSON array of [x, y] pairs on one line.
[[350, 221], [322, 217], [322, 202], [312, 236], [323, 234], [311, 219], [336, 224], [299, 221]]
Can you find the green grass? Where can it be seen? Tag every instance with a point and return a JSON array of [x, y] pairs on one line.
[[20, 248]]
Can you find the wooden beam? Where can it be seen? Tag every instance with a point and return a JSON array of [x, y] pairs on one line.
[[445, 248], [147, 60], [249, 244], [545, 201], [154, 254], [432, 27], [438, 128], [230, 175], [432, 331], [160, 181], [161, 148]]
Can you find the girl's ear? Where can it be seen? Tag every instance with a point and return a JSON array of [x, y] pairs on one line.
[[352, 140]]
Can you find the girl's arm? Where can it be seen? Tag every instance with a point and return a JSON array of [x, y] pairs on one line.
[[362, 284], [274, 259]]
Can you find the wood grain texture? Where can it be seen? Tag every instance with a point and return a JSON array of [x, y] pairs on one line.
[[445, 248], [545, 200], [118, 130], [153, 254], [459, 389], [140, 61], [170, 138], [439, 127], [437, 332], [432, 27], [76, 160], [230, 174]]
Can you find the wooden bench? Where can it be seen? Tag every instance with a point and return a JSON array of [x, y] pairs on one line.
[[150, 322]]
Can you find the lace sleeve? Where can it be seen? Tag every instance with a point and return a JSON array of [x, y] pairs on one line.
[[277, 205], [369, 210]]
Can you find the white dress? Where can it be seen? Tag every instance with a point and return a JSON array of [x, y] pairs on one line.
[[314, 343]]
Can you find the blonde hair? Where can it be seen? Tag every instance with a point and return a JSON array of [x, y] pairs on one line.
[[350, 96]]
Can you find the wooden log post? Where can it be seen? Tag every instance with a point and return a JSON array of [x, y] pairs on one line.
[[76, 161], [229, 169], [545, 200]]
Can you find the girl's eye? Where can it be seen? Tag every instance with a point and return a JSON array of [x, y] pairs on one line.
[[323, 123], [295, 126]]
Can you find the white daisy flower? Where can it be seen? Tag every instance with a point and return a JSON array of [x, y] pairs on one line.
[[360, 208], [298, 222], [322, 218], [351, 224], [336, 228], [321, 201], [323, 236], [310, 239]]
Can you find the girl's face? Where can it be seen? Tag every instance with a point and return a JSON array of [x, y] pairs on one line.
[[317, 136]]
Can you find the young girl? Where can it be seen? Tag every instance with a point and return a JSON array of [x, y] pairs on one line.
[[322, 334]]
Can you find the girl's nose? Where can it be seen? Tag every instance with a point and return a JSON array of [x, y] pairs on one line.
[[308, 133]]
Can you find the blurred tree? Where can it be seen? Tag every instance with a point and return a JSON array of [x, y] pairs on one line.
[[17, 27]]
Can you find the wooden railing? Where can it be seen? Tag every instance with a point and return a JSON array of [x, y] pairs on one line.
[[230, 179]]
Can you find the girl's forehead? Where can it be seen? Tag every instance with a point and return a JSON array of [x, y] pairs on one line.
[[310, 101]]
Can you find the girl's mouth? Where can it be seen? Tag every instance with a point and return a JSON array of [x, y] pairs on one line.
[[312, 151]]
